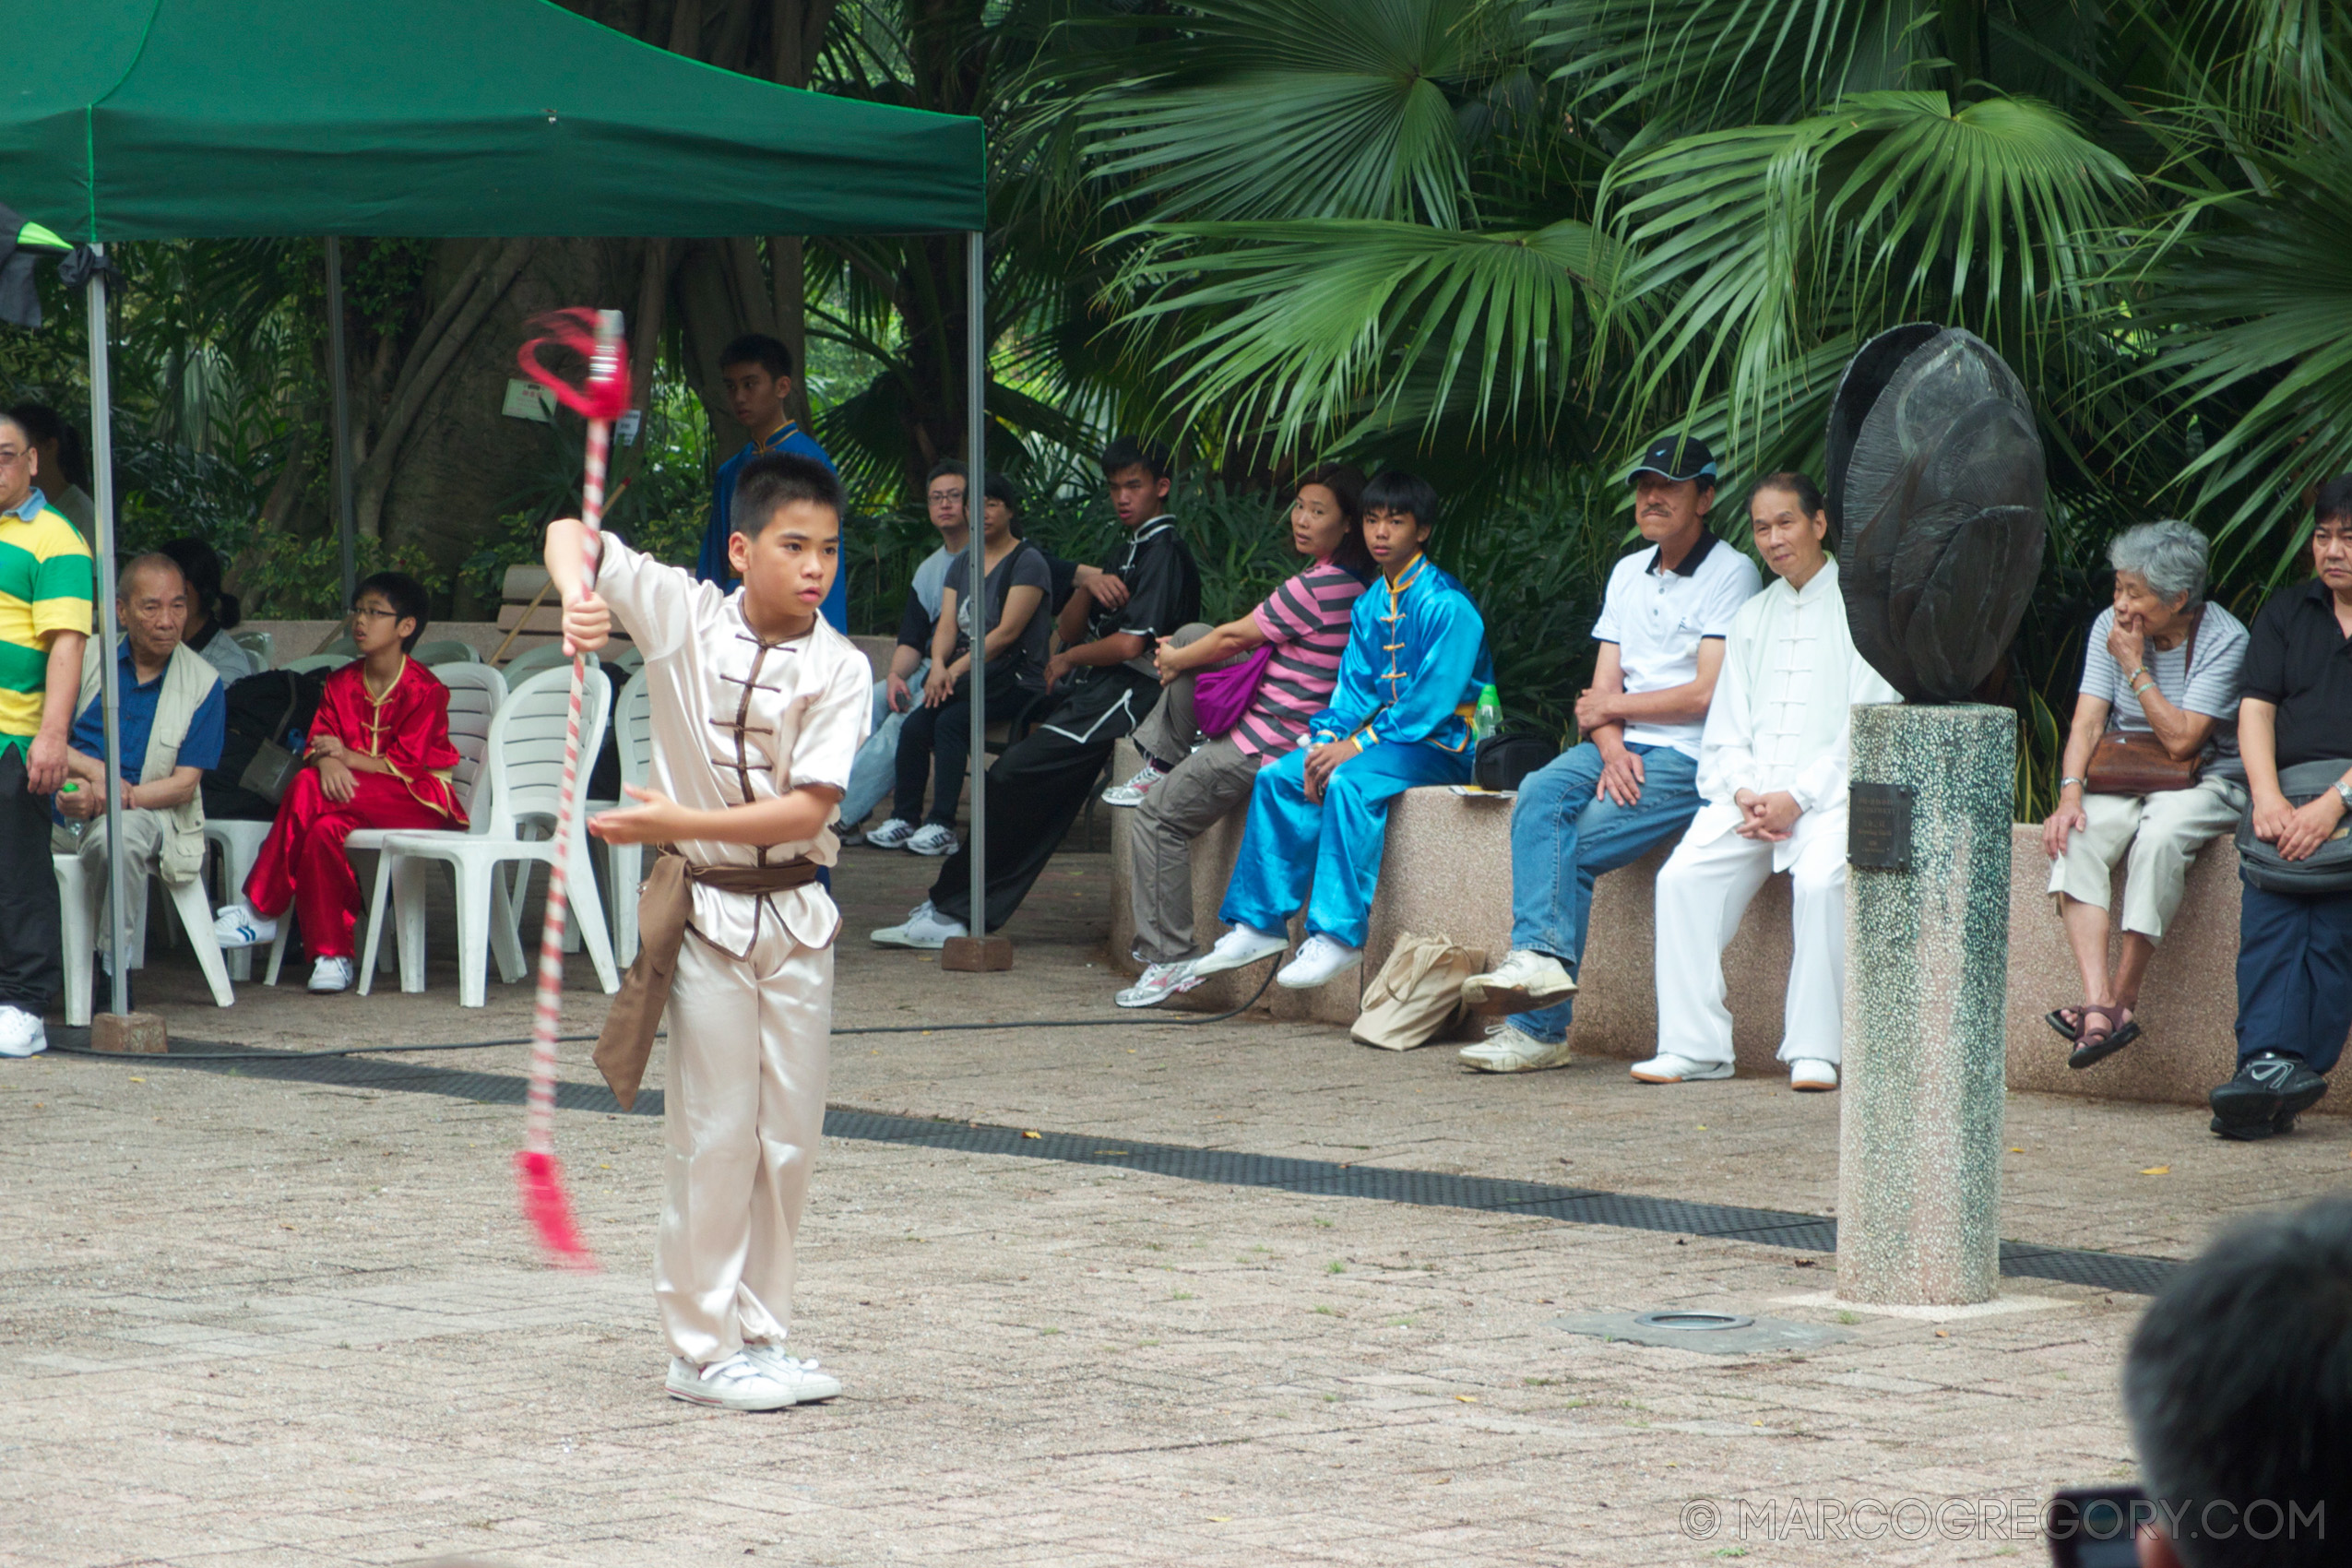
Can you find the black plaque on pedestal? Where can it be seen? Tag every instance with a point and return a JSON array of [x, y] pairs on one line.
[[1878, 826]]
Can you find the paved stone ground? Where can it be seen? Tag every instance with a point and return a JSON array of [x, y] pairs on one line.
[[244, 1321]]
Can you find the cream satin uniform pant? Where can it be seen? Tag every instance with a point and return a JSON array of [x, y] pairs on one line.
[[742, 1108], [1703, 889]]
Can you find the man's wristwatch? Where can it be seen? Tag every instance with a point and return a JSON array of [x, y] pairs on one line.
[[2343, 793]]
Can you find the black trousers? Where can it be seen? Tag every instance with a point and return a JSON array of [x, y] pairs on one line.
[[1036, 790], [31, 954], [937, 740]]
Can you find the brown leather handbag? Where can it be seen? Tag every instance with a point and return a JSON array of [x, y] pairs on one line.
[[2134, 764]]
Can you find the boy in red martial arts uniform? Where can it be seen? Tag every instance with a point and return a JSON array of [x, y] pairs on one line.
[[378, 757]]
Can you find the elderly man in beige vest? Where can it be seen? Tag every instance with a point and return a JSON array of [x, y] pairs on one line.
[[174, 718]]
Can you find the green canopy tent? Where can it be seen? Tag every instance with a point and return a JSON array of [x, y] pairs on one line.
[[173, 119]]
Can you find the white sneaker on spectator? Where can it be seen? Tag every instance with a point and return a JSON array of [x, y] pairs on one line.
[[235, 925], [1521, 983], [1244, 944], [1810, 1075], [801, 1377], [1132, 792], [331, 975], [1509, 1049], [1159, 982], [924, 928], [1321, 958], [933, 840], [22, 1033], [736, 1384], [892, 834], [1667, 1068]]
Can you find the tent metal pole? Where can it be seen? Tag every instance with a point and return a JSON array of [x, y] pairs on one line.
[[976, 572], [346, 523], [102, 462]]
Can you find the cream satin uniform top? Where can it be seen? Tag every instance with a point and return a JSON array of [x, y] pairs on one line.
[[737, 720]]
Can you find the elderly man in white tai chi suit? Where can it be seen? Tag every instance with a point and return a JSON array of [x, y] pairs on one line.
[[1773, 767]]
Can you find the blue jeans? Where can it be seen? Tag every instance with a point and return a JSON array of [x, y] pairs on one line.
[[1562, 836], [2293, 975]]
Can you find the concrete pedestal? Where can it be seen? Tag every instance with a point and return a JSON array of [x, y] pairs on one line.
[[1919, 1134]]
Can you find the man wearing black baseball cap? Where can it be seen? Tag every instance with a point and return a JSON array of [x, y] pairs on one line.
[[1633, 782]]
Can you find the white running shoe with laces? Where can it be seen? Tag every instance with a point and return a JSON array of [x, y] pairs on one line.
[[331, 975], [1521, 983], [235, 925], [1321, 959], [22, 1033], [1810, 1075], [1242, 946], [933, 840], [1667, 1068], [1132, 792], [736, 1384], [1159, 982], [806, 1382], [1509, 1049], [924, 928], [891, 835]]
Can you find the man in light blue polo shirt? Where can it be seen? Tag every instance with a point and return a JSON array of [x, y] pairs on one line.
[[1633, 782]]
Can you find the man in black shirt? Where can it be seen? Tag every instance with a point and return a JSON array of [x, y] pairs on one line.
[[1106, 682], [2295, 948]]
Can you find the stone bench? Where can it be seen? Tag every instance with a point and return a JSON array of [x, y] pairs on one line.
[[1447, 873]]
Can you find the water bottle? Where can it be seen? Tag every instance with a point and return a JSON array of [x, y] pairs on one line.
[[1487, 717]]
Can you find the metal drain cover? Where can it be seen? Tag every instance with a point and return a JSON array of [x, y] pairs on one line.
[[1721, 1333]]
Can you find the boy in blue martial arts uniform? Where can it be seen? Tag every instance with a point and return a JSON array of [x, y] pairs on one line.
[[1416, 660]]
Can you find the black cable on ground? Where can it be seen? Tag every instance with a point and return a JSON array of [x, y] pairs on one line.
[[1127, 1021]]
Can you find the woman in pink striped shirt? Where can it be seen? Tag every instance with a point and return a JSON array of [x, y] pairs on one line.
[[1188, 781]]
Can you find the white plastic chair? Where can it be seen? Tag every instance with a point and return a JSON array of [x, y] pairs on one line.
[[624, 863], [475, 693], [261, 645], [77, 897], [446, 650], [523, 778], [531, 661]]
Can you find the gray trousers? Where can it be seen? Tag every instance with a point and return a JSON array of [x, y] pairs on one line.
[[1204, 785], [142, 845]]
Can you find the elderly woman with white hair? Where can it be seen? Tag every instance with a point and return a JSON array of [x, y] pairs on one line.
[[2151, 771]]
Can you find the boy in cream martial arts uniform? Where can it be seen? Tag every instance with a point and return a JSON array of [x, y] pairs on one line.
[[759, 708], [1773, 768]]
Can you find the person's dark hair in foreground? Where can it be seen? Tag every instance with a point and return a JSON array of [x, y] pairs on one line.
[[2238, 1389], [200, 565], [759, 349], [405, 594], [1396, 490], [771, 483], [1129, 452]]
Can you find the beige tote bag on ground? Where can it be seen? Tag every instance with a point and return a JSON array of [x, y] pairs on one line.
[[1416, 996]]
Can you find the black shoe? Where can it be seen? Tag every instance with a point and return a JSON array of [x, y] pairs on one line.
[[2269, 1092]]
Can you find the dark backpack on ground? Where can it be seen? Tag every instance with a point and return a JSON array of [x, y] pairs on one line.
[[275, 704]]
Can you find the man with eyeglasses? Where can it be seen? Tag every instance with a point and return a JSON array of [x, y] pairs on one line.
[[44, 621]]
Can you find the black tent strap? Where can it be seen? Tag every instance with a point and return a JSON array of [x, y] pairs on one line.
[[1583, 1206]]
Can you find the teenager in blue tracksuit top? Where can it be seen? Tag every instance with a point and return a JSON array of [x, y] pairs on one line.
[[757, 371], [1416, 659]]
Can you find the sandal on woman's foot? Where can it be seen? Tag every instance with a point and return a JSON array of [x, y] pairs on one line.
[[2067, 1021], [2103, 1036]]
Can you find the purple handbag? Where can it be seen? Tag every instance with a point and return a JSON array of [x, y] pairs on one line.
[[1221, 696]]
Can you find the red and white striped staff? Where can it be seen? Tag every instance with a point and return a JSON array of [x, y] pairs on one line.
[[597, 336]]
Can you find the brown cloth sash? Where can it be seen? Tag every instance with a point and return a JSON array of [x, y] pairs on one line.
[[626, 1044]]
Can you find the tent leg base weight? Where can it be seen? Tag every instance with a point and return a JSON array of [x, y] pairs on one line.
[[977, 955], [131, 1034]]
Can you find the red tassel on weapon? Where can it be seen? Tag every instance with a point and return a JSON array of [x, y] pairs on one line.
[[550, 1212]]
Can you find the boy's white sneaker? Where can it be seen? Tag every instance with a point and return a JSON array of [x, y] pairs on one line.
[[892, 834], [803, 1378], [736, 1384], [1132, 792], [933, 840], [1510, 1048], [1242, 946], [1321, 959], [924, 928], [235, 925], [1159, 982], [1810, 1075], [331, 975], [1667, 1068], [1521, 983], [22, 1033]]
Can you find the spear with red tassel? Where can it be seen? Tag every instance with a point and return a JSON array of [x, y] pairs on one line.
[[603, 398]]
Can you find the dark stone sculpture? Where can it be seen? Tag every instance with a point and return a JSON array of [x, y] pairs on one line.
[[1937, 493]]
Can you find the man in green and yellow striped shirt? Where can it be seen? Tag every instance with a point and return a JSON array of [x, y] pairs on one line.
[[44, 620]]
